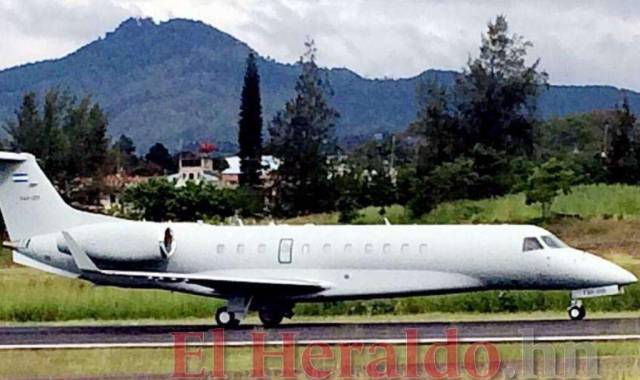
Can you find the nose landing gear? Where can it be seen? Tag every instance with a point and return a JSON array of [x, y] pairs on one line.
[[576, 310], [233, 313], [226, 318]]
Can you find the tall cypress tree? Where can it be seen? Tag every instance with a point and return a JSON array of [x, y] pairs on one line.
[[250, 126], [302, 136]]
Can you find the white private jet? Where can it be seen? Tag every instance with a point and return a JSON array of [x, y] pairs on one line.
[[270, 268]]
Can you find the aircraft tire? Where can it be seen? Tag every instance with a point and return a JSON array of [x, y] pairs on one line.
[[226, 318], [270, 318], [577, 313]]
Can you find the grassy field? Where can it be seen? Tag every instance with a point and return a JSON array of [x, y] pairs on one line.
[[615, 361], [607, 222]]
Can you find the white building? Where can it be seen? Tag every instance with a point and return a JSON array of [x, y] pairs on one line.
[[199, 168], [195, 168]]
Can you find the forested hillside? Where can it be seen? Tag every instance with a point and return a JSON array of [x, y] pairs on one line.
[[180, 81]]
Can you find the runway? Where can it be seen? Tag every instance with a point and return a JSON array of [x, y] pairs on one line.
[[12, 338]]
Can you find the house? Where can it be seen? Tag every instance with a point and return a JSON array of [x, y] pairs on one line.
[[230, 177], [114, 187], [197, 168]]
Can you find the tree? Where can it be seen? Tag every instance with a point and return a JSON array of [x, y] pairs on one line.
[[497, 93], [438, 129], [97, 140], [159, 155], [124, 151], [621, 159], [86, 129], [449, 181], [42, 136], [471, 133], [153, 200], [160, 200], [55, 146], [250, 126], [547, 181], [24, 132], [302, 137]]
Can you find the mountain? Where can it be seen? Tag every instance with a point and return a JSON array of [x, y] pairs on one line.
[[180, 81]]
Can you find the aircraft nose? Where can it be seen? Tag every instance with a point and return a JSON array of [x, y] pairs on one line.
[[625, 277], [609, 273]]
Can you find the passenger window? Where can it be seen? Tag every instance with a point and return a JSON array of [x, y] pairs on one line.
[[326, 248], [262, 248], [405, 249], [553, 242], [306, 249], [368, 248], [423, 249], [240, 249], [220, 249], [348, 248], [531, 244], [386, 249]]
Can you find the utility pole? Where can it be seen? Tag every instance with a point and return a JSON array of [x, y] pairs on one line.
[[605, 142]]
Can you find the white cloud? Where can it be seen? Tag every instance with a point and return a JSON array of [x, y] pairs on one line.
[[580, 42]]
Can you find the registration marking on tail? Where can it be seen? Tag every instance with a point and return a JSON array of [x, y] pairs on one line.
[[20, 177]]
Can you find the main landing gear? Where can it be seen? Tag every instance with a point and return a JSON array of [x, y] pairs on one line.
[[576, 310], [270, 318], [270, 314]]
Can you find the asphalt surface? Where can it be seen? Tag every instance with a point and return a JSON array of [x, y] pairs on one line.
[[163, 335]]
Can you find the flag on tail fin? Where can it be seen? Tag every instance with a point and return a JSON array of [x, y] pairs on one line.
[[20, 177]]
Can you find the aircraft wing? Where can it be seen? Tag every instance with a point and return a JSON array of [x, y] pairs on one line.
[[215, 281], [225, 284]]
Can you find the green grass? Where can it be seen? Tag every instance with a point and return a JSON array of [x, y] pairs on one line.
[[30, 295], [588, 201], [616, 361]]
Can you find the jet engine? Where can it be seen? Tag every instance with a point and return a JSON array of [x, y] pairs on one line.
[[123, 241]]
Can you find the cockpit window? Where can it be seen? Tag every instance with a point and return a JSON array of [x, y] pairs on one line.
[[531, 244], [553, 242]]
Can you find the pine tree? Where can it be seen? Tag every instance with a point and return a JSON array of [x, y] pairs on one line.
[[97, 140], [42, 136], [497, 93], [302, 137], [76, 129], [438, 129], [55, 148], [24, 132], [250, 126]]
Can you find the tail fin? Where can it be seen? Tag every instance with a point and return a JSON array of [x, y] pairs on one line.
[[30, 204]]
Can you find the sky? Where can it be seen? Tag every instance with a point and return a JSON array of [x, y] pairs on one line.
[[578, 42]]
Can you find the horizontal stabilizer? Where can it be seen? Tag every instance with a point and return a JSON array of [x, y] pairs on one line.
[[12, 157]]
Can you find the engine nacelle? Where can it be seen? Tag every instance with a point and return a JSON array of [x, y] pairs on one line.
[[123, 241]]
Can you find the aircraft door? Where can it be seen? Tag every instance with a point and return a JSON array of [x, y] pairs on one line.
[[285, 251]]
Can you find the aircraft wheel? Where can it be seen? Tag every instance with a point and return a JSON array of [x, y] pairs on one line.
[[270, 318], [577, 313], [226, 318]]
